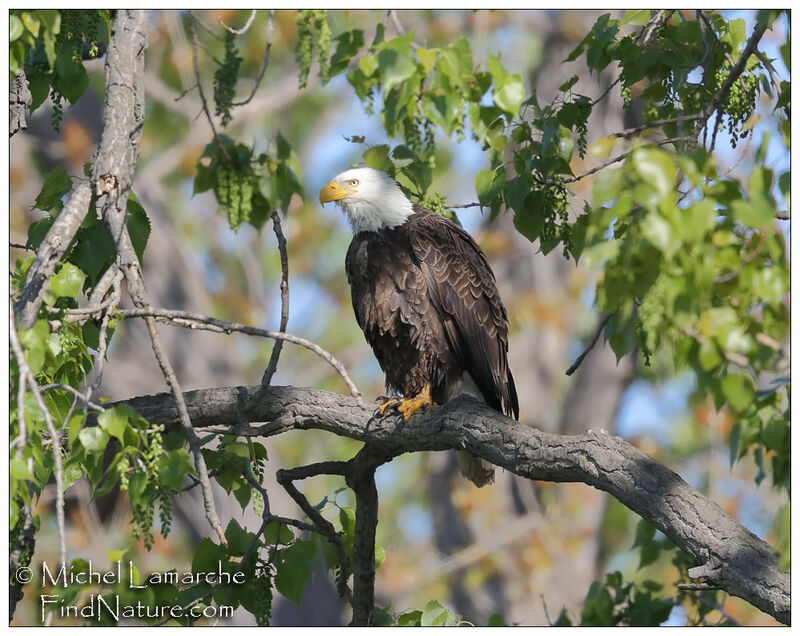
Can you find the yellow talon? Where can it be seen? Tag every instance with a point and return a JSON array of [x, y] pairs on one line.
[[406, 406], [381, 410], [409, 406]]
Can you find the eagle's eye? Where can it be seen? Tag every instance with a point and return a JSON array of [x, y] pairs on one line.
[[352, 183]]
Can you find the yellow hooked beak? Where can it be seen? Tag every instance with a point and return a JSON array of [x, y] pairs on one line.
[[332, 192]]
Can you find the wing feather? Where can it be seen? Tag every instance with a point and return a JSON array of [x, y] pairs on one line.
[[463, 291]]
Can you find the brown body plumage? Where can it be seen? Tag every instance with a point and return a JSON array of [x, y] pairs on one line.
[[427, 301]]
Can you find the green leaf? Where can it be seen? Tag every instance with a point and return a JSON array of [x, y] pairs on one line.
[[410, 619], [510, 95], [738, 390], [138, 226], [94, 439], [71, 79], [394, 68], [347, 45], [709, 356], [426, 58], [238, 538], [775, 435], [488, 184], [400, 44], [756, 212], [207, 556], [659, 232], [568, 84], [646, 611], [378, 157], [455, 61], [31, 22], [276, 533], [115, 555], [637, 17], [114, 421], [368, 64], [655, 170], [38, 230], [380, 556], [497, 620], [347, 517], [381, 618], [15, 28], [56, 185], [435, 615], [645, 531], [66, 283], [94, 251], [172, 466], [294, 568], [18, 469]]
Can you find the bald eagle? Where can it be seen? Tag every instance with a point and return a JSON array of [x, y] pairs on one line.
[[426, 299]]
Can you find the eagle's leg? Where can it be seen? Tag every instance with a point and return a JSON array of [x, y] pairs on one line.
[[410, 405]]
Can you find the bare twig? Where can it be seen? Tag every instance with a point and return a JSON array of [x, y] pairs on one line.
[[244, 29], [276, 349], [76, 393], [286, 478], [195, 62], [206, 28], [630, 132], [25, 372], [456, 206], [103, 285], [574, 366], [199, 321], [692, 587], [398, 27], [191, 436], [617, 159], [264, 64], [102, 344]]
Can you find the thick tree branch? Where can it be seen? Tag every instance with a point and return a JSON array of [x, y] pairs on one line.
[[361, 480], [728, 554]]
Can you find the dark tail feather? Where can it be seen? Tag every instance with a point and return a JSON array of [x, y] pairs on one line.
[[512, 402], [477, 470]]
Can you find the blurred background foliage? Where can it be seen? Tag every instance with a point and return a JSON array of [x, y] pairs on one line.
[[463, 107]]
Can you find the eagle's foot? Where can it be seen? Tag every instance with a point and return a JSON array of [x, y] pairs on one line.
[[410, 406], [389, 403]]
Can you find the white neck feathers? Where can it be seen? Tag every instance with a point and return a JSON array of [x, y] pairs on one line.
[[365, 216]]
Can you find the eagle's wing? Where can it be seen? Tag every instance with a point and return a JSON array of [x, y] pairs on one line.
[[462, 288]]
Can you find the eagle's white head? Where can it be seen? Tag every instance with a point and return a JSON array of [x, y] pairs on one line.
[[371, 199]]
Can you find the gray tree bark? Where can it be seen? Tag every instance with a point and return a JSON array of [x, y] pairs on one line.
[[729, 556]]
